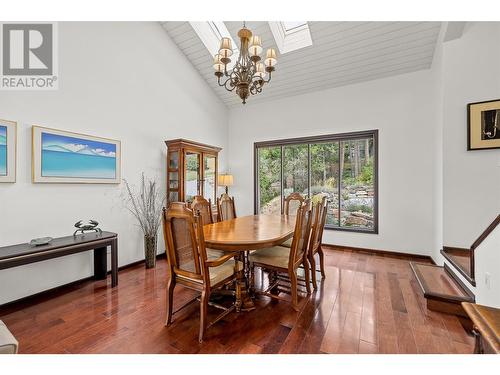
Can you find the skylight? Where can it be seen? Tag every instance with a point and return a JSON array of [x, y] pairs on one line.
[[292, 26], [291, 35], [211, 33]]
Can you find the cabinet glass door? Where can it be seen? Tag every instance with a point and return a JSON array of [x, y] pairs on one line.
[[209, 163], [192, 178], [174, 160]]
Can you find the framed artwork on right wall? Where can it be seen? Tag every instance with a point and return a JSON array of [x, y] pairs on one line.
[[483, 125]]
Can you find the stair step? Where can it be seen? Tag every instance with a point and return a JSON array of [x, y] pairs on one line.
[[461, 260], [443, 292]]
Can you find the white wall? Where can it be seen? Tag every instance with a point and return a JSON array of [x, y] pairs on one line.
[[471, 179], [487, 261], [401, 107], [438, 92], [471, 73], [126, 81]]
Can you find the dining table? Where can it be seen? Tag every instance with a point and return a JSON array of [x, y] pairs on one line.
[[244, 234]]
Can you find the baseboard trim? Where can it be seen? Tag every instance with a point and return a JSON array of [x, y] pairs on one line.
[[452, 274], [457, 266], [395, 254], [11, 306]]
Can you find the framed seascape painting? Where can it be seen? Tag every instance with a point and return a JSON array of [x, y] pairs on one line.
[[8, 139], [483, 125], [64, 157]]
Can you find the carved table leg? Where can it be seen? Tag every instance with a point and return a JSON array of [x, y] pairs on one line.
[[251, 281], [273, 278], [243, 300]]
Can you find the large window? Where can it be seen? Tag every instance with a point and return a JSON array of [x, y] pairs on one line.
[[342, 167]]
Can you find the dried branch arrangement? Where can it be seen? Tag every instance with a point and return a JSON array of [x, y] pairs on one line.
[[146, 205]]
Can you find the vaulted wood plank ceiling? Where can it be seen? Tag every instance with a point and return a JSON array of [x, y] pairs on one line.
[[342, 53]]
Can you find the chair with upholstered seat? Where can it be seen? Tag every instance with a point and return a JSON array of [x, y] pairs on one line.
[[319, 212], [191, 265], [319, 219], [291, 203], [285, 260], [225, 208], [204, 207]]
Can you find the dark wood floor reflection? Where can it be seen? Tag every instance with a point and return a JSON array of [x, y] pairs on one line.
[[367, 304]]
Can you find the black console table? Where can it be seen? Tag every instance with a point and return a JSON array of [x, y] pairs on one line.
[[18, 255]]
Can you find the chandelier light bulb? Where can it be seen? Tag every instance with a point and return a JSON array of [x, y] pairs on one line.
[[218, 65], [260, 71]]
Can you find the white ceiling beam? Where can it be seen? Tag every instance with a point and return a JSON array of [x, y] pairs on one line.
[[454, 30]]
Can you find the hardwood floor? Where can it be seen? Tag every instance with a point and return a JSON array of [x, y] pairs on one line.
[[367, 304]]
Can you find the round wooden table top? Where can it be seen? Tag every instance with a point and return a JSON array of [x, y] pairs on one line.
[[249, 232]]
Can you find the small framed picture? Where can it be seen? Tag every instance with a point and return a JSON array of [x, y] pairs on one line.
[[483, 125], [65, 157], [8, 140]]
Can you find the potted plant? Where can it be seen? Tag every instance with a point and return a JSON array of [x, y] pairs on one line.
[[146, 205]]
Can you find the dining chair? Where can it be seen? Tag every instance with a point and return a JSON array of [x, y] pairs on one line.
[[292, 203], [204, 206], [285, 260], [225, 208], [318, 217], [318, 225], [192, 266]]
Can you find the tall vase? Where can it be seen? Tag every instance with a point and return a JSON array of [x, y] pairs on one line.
[[150, 250]]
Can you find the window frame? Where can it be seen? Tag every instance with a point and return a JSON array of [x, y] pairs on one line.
[[322, 139]]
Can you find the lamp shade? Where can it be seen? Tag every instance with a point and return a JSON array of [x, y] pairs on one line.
[[225, 180], [255, 47], [260, 71], [226, 49], [270, 59], [218, 65]]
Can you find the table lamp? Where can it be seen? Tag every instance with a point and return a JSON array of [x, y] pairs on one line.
[[225, 180]]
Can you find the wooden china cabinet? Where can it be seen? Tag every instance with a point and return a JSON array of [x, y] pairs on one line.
[[191, 170]]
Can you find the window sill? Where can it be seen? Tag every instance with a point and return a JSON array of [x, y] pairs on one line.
[[354, 230]]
